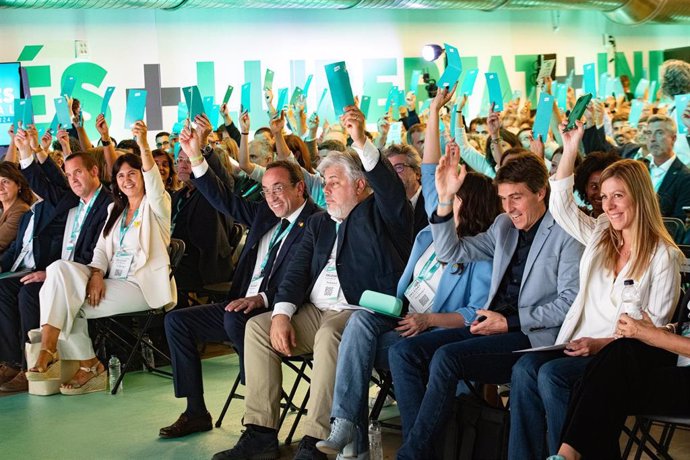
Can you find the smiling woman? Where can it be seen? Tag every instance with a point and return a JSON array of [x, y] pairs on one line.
[[15, 199]]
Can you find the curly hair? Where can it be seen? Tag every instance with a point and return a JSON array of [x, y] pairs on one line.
[[507, 136], [675, 77], [593, 162]]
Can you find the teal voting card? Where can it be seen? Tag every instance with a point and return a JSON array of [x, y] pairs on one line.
[[68, 86], [296, 96], [453, 69], [562, 96], [321, 99], [182, 111], [208, 107], [635, 112], [54, 124], [195, 104], [177, 127], [681, 105], [62, 112], [228, 93], [603, 86], [136, 107], [268, 79], [641, 87], [246, 103], [590, 79], [106, 99], [517, 94], [392, 99], [618, 87], [307, 85], [569, 80], [401, 98], [395, 133], [28, 118], [339, 84], [543, 116], [453, 120], [282, 99], [652, 90], [414, 81], [364, 105], [495, 93], [468, 82], [19, 107]]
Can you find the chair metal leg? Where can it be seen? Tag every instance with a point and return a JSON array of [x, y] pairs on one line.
[[231, 396], [291, 396], [632, 437], [136, 346], [302, 411]]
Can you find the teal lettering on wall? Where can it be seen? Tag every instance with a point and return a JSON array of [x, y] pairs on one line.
[[373, 69], [206, 78], [87, 73], [527, 64]]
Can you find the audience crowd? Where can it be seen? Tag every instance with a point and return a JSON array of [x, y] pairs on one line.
[[496, 242]]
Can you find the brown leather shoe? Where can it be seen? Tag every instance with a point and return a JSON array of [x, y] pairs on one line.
[[16, 385], [187, 425], [7, 373]]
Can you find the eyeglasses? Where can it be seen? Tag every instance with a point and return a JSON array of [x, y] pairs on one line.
[[400, 167], [276, 190], [161, 144]]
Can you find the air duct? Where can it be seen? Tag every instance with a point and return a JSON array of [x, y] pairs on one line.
[[630, 12]]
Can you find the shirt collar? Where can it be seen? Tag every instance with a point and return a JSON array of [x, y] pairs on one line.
[[528, 236], [415, 197], [100, 186], [663, 167], [293, 217]]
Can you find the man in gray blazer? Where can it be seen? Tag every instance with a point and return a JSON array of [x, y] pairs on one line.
[[534, 281]]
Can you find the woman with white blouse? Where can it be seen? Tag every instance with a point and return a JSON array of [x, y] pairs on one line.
[[627, 242], [129, 272]]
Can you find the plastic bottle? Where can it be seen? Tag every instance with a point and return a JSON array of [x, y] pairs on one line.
[[375, 442], [631, 300], [147, 353], [114, 370]]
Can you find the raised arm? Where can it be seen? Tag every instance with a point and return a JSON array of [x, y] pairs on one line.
[[277, 126], [109, 152], [432, 142], [230, 127], [493, 123], [243, 157]]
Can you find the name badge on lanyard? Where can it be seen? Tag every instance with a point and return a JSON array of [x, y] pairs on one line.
[[76, 225], [122, 260], [419, 293], [331, 283]]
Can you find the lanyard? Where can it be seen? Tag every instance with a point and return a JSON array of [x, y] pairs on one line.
[[428, 269], [125, 228], [275, 239], [76, 226]]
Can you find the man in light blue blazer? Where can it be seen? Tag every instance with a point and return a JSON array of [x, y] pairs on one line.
[[534, 281]]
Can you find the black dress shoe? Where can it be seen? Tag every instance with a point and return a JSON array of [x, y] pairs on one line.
[[187, 425]]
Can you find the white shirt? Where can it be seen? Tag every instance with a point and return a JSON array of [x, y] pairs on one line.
[[68, 239], [25, 259], [415, 197], [659, 172]]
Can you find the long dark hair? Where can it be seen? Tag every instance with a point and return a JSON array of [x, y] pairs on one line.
[[480, 204], [120, 200], [11, 171]]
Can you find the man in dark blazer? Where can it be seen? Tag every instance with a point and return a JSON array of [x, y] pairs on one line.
[[362, 243], [277, 225], [670, 177], [78, 199], [408, 165]]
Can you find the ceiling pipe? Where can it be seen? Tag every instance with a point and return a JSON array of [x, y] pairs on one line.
[[629, 12]]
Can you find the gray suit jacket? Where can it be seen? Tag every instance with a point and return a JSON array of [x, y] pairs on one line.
[[551, 278]]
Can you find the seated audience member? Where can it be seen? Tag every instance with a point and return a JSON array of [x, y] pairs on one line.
[[326, 147], [166, 168], [646, 372], [534, 281], [407, 164], [80, 197], [320, 290], [205, 231], [670, 177], [15, 200], [129, 272], [438, 296], [478, 126], [588, 179], [163, 142], [277, 225], [627, 242]]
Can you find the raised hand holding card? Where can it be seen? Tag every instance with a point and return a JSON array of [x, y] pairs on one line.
[[339, 84]]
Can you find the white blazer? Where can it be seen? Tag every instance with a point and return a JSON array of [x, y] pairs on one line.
[[659, 286], [152, 266]]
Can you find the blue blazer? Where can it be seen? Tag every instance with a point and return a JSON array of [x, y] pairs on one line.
[[463, 293]]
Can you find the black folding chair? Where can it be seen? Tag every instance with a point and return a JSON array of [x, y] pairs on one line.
[[676, 228], [384, 381], [111, 328]]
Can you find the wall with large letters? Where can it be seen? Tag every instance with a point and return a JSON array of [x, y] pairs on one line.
[[164, 51]]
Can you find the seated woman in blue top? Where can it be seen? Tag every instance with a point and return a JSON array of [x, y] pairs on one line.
[[437, 296]]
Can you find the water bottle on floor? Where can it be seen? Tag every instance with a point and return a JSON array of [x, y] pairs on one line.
[[632, 305], [114, 370], [148, 361], [375, 442]]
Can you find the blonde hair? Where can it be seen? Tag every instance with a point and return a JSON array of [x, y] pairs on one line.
[[648, 226]]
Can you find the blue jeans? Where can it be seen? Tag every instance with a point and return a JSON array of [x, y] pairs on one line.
[[365, 344], [443, 357], [539, 394]]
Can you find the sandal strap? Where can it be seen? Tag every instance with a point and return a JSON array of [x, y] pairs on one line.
[[93, 369], [53, 354]]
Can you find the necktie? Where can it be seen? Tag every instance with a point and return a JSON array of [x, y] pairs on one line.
[[273, 253]]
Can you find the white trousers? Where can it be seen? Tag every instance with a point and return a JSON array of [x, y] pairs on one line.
[[63, 305]]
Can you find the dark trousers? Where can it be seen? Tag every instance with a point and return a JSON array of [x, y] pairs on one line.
[[626, 378], [19, 313], [205, 323]]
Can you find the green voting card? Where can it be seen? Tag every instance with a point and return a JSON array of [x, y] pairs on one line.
[[106, 99], [652, 90], [19, 107], [268, 79], [364, 105], [136, 107], [68, 86], [339, 84], [681, 104], [453, 69], [543, 117], [54, 124], [321, 99], [495, 93], [590, 79], [296, 96], [392, 99], [228, 93], [414, 81], [62, 112], [282, 99], [468, 82], [246, 105], [195, 104]]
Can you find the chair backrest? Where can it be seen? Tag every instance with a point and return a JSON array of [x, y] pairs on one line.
[[176, 252], [676, 228]]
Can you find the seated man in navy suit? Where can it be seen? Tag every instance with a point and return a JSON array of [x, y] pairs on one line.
[[83, 202], [277, 225], [363, 242]]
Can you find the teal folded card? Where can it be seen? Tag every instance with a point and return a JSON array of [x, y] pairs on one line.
[[106, 99], [228, 93], [543, 117], [246, 104], [268, 79], [590, 79], [453, 69], [339, 84], [681, 104], [364, 105], [282, 99], [414, 81], [136, 107], [195, 103], [635, 112], [495, 93]]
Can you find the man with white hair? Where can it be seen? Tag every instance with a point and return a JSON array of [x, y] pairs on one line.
[[361, 243]]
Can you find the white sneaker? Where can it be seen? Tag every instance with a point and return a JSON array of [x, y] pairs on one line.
[[340, 439]]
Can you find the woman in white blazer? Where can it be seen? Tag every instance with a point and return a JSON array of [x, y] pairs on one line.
[[129, 272], [627, 242]]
